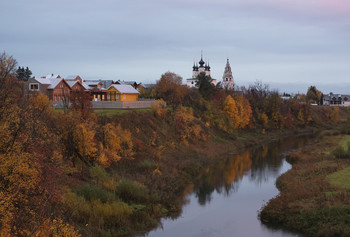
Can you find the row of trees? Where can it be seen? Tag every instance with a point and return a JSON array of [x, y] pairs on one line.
[[255, 106]]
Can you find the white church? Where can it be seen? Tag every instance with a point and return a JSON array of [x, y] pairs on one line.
[[227, 79]]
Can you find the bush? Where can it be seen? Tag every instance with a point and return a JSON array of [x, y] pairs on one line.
[[131, 191], [158, 108], [99, 173], [146, 165], [93, 192], [102, 219], [340, 153]]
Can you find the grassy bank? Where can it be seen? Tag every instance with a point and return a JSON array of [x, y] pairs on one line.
[[170, 150], [123, 170], [315, 193]]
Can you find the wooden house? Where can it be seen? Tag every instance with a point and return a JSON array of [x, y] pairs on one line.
[[122, 93], [58, 90]]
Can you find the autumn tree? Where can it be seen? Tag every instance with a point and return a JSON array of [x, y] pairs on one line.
[[244, 111], [313, 95], [230, 108], [257, 95], [9, 86], [80, 100], [335, 115], [29, 166], [170, 88], [238, 110], [186, 126], [116, 144], [84, 145], [300, 118], [158, 108]]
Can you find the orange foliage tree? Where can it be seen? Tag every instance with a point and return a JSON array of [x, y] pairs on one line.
[[170, 88], [116, 144], [239, 111], [29, 167]]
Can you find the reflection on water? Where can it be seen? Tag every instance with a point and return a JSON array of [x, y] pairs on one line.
[[225, 199], [222, 177], [259, 163]]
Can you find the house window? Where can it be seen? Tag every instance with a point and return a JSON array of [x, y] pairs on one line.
[[124, 96], [103, 97], [117, 96], [108, 96], [33, 86], [226, 79]]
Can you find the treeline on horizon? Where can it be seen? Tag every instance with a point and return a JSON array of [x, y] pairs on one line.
[[73, 172]]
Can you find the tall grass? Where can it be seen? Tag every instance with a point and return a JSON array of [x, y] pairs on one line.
[[313, 199]]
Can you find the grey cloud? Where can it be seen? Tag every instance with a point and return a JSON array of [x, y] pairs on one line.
[[143, 39]]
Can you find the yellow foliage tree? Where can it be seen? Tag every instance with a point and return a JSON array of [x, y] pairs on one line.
[[186, 126], [239, 111], [56, 228], [230, 108], [277, 119], [300, 118], [158, 108], [27, 189], [264, 119], [84, 145], [117, 144], [244, 111], [335, 115]]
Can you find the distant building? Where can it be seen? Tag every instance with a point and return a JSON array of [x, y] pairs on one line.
[[55, 87], [336, 100], [117, 92], [227, 78], [203, 67], [59, 89], [131, 83]]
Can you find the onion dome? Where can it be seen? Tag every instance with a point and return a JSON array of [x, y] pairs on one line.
[[207, 67], [201, 63]]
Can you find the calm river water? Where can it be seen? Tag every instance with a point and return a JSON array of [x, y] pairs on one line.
[[226, 199]]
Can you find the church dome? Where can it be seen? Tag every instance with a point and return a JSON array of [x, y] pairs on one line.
[[201, 62]]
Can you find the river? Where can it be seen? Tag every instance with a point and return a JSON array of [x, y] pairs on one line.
[[226, 199]]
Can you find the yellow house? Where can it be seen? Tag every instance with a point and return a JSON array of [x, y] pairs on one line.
[[118, 92]]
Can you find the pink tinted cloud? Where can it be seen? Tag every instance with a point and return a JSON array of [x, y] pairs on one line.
[[319, 6], [337, 5]]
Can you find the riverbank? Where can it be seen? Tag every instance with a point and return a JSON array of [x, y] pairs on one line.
[[178, 168], [145, 163], [314, 197]]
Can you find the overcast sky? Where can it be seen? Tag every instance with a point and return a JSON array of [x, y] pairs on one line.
[[289, 44]]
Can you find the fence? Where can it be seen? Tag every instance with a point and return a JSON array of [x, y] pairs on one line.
[[113, 104], [122, 104]]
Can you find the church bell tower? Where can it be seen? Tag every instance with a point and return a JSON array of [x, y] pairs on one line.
[[227, 78]]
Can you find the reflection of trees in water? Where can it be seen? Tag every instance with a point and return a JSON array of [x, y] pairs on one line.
[[267, 160], [262, 163], [222, 177]]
